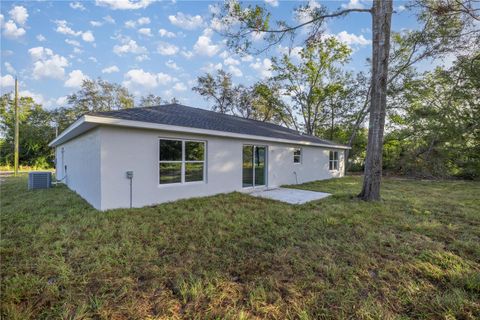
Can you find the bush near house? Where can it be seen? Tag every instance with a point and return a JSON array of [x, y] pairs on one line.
[[416, 254]]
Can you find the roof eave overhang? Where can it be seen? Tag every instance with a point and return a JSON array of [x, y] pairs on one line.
[[88, 122]]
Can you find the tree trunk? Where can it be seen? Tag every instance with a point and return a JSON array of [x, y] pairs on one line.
[[381, 24]]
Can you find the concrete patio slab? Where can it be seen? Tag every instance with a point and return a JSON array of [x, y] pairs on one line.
[[292, 196]]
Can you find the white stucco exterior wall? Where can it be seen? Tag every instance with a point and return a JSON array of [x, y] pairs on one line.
[[81, 156], [128, 149]]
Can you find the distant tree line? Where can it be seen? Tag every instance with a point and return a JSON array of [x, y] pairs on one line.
[[39, 126], [433, 118]]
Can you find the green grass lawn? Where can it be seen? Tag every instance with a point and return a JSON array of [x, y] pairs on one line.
[[414, 255]]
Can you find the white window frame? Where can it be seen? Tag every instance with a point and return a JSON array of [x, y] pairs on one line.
[[300, 155], [335, 163], [183, 162]]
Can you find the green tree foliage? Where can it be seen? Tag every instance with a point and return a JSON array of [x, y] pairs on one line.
[[150, 100], [259, 102], [39, 126], [314, 85], [36, 131], [438, 126]]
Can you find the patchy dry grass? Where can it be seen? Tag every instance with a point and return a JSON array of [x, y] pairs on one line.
[[416, 255]]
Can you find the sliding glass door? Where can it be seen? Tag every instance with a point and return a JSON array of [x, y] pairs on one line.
[[254, 166]]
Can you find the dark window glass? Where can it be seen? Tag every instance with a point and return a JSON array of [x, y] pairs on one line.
[[333, 160], [170, 150], [259, 166], [247, 166], [170, 172], [193, 171], [194, 151], [297, 155]]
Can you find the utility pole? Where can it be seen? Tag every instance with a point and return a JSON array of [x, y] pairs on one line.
[[16, 130]]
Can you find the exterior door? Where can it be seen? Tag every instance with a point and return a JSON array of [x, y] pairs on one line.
[[254, 166]]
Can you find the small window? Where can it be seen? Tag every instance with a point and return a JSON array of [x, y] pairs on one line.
[[181, 161], [297, 155], [333, 162]]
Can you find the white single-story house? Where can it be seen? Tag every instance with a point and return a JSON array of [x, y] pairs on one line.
[[144, 156]]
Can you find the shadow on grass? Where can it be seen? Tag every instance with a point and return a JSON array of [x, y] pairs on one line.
[[415, 254]]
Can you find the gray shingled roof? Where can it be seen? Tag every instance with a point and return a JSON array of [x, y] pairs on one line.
[[180, 115]]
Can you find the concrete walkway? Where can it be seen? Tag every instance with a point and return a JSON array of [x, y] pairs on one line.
[[292, 196]]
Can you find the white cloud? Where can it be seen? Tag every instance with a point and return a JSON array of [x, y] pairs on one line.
[[273, 3], [263, 67], [131, 24], [7, 81], [187, 54], [124, 4], [111, 69], [19, 14], [41, 38], [76, 50], [257, 36], [352, 39], [63, 28], [214, 8], [179, 86], [109, 19], [292, 52], [224, 54], [37, 97], [166, 49], [39, 53], [139, 78], [9, 67], [96, 23], [142, 57], [204, 45], [128, 46], [77, 6], [211, 67], [186, 21], [166, 34], [231, 62], [401, 8], [10, 30], [93, 59], [145, 31], [47, 64], [353, 4], [74, 43], [143, 21], [306, 15], [75, 79], [247, 58], [172, 65], [88, 36], [235, 71], [61, 101]]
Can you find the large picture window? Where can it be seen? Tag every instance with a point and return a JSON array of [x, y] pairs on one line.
[[333, 163], [181, 161]]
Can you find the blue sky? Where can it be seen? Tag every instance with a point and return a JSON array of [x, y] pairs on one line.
[[158, 47]]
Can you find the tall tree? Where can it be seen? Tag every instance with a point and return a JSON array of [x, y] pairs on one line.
[[100, 95], [218, 88], [36, 132], [150, 100], [259, 102], [312, 83], [243, 22], [381, 26]]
